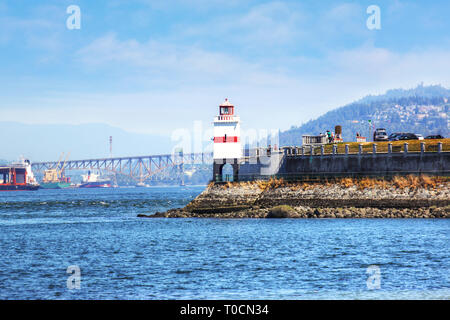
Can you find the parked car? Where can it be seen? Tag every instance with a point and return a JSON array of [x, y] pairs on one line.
[[419, 136], [380, 134], [410, 136], [395, 136], [436, 136]]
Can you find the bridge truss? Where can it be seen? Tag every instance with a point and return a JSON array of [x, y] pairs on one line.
[[139, 168]]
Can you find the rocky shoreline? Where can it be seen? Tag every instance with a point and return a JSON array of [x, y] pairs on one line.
[[407, 198]]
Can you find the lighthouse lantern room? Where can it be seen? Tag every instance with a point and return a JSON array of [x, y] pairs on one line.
[[227, 141]]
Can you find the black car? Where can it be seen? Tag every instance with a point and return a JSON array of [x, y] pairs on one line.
[[408, 136], [436, 136], [395, 136]]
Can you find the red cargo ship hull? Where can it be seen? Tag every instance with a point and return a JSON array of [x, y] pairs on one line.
[[14, 178], [26, 187], [96, 184]]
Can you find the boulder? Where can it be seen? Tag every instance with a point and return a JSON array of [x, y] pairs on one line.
[[283, 211]]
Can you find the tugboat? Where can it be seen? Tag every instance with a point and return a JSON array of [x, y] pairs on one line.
[[17, 176], [92, 180]]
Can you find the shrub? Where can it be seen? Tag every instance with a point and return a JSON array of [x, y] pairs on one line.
[[346, 182], [400, 182], [414, 181], [427, 181], [366, 183]]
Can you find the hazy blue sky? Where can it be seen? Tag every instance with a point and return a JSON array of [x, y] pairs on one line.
[[155, 66]]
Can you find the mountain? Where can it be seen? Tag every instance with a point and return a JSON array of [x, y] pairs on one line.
[[424, 110], [85, 141]]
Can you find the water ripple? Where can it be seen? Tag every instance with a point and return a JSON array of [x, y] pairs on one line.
[[125, 257]]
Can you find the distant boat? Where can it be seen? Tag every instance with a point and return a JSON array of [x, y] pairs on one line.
[[17, 176], [54, 178], [142, 185], [55, 185], [92, 180]]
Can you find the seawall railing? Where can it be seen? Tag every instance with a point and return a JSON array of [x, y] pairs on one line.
[[366, 148], [356, 160]]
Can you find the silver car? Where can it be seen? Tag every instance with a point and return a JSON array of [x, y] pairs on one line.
[[380, 135]]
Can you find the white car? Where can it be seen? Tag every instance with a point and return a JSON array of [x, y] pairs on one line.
[[419, 136]]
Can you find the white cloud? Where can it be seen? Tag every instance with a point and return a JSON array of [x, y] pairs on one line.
[[177, 81], [42, 30], [378, 66], [289, 101], [12, 27], [165, 62], [343, 19], [264, 25], [269, 97]]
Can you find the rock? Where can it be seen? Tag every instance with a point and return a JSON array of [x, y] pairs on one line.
[[155, 215], [250, 200], [282, 211]]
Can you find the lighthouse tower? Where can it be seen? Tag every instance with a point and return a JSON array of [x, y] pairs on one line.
[[227, 141]]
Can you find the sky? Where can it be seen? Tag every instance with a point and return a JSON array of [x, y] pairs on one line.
[[156, 67]]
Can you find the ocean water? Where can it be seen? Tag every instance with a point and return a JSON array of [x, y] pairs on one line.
[[121, 256]]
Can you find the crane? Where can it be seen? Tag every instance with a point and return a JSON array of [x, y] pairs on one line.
[[60, 172], [54, 175], [59, 161]]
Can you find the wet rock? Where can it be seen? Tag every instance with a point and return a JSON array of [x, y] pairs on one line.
[[282, 211], [155, 215], [248, 200]]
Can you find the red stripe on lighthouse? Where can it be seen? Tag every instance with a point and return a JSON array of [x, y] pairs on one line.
[[229, 139]]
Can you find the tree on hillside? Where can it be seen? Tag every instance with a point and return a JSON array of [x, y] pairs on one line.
[[397, 110]]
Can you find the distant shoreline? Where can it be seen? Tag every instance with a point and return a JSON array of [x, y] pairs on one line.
[[402, 197]]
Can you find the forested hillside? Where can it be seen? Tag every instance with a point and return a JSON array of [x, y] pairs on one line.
[[424, 110]]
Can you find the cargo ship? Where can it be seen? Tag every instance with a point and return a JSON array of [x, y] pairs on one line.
[[92, 180], [17, 176], [55, 178], [55, 185]]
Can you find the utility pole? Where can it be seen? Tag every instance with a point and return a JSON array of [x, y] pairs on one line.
[[110, 146], [112, 164]]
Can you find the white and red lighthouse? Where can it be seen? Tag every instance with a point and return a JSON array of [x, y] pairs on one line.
[[227, 140]]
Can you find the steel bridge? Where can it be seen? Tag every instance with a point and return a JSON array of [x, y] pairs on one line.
[[138, 168]]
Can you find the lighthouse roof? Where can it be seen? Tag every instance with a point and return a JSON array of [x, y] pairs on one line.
[[226, 103]]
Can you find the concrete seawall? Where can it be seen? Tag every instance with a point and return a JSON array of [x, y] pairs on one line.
[[291, 167], [370, 164]]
